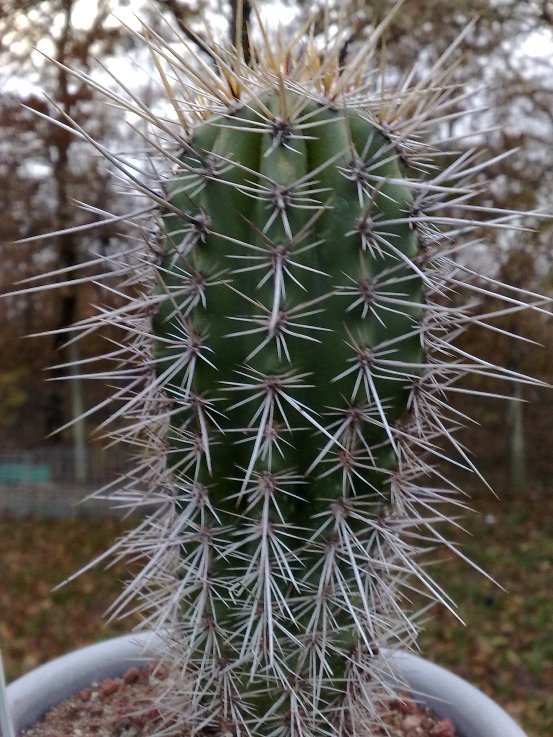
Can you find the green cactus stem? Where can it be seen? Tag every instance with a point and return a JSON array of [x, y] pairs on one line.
[[288, 349]]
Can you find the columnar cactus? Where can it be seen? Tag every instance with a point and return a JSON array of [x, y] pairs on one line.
[[291, 330], [288, 347]]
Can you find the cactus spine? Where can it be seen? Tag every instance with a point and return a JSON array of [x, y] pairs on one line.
[[291, 350]]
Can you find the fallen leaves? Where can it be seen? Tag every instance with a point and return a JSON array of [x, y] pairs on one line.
[[36, 622], [507, 646]]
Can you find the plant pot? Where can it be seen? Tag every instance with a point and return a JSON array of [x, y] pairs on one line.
[[32, 695], [472, 712]]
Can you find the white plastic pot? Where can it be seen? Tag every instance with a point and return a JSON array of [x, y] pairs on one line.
[[472, 712], [29, 697]]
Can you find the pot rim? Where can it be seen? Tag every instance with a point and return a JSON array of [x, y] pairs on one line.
[[30, 696]]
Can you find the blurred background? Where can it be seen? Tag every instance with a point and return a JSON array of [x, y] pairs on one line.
[[46, 176]]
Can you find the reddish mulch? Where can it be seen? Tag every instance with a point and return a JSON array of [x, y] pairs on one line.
[[122, 707]]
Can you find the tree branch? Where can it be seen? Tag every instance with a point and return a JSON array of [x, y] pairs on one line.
[[240, 16], [178, 11]]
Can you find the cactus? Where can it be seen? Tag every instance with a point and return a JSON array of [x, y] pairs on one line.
[[289, 349]]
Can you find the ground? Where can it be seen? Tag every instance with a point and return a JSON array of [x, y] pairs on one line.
[[506, 647]]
